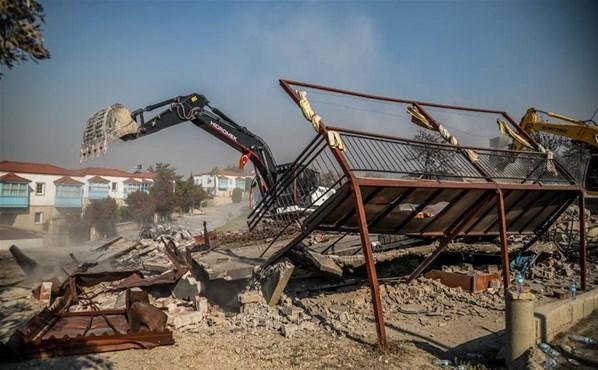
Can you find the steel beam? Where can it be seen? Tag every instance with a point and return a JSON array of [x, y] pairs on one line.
[[370, 267]]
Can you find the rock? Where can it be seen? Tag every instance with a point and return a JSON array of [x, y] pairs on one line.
[[338, 308], [217, 318], [414, 291], [250, 297], [412, 309], [293, 313], [592, 232], [289, 330], [201, 304], [186, 319]]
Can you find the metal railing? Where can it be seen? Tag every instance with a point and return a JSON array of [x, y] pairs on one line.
[[316, 175], [305, 185], [383, 156]]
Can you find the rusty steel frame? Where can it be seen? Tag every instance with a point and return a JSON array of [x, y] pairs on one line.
[[490, 188], [29, 340]]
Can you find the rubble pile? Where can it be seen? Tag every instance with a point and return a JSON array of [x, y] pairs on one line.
[[150, 255], [565, 234], [424, 297], [265, 232]]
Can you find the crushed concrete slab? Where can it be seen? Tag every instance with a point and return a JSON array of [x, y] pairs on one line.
[[234, 263], [276, 280], [324, 263]]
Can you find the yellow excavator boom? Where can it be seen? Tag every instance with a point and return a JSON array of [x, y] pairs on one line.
[[575, 129]]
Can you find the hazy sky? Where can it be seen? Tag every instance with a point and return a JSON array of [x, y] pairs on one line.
[[506, 55]]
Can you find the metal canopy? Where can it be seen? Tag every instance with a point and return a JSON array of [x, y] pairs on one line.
[[352, 181], [429, 211]]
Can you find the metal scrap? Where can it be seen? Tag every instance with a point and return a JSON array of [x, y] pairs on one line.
[[57, 330]]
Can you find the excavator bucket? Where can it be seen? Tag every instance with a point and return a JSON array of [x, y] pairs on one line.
[[104, 127]]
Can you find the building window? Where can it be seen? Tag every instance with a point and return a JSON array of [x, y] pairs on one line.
[[68, 191], [114, 186], [223, 183], [40, 188], [38, 218], [98, 187], [14, 190], [240, 184]]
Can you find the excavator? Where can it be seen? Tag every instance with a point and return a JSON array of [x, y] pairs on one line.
[[117, 122], [585, 131]]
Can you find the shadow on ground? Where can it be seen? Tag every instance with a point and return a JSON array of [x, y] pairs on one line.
[[62, 363]]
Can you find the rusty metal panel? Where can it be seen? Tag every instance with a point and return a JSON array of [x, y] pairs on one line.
[[56, 331]]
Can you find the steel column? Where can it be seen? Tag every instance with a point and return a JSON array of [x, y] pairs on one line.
[[583, 252], [370, 267], [504, 247]]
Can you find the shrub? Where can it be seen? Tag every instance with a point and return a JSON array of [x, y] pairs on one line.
[[103, 215], [140, 207]]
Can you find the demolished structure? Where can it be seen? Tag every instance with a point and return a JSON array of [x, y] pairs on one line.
[[345, 184], [367, 177]]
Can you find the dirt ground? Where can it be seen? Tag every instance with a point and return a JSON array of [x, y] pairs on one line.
[[415, 341], [425, 321]]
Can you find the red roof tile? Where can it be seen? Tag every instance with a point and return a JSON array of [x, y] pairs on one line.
[[98, 180], [41, 168], [50, 169], [99, 171], [11, 177], [67, 181], [131, 181]]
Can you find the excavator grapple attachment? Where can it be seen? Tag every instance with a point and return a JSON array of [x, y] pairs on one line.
[[104, 127]]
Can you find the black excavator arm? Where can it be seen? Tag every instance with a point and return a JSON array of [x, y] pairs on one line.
[[115, 122]]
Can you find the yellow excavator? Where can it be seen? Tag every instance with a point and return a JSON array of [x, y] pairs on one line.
[[574, 129]]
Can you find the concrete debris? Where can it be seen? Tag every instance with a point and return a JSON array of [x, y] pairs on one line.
[[250, 297], [186, 319], [275, 279], [187, 287]]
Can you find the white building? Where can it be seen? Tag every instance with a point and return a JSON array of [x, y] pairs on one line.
[[37, 195], [222, 183]]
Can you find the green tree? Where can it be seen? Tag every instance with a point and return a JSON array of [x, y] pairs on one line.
[[20, 32], [188, 195], [431, 159], [163, 189], [141, 207], [103, 215]]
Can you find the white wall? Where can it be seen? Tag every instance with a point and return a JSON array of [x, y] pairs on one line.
[[48, 198]]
